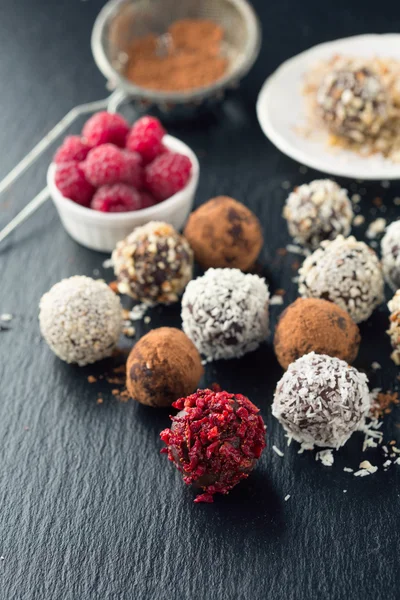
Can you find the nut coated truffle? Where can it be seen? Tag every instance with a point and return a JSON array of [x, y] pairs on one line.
[[391, 255], [321, 401], [215, 440], [353, 102], [153, 264], [314, 325], [225, 313], [394, 329], [81, 320], [317, 211], [224, 233], [163, 366], [346, 272]]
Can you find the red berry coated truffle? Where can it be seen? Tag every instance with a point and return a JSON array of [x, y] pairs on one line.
[[146, 137], [215, 440], [73, 148], [167, 175], [70, 180], [108, 164], [119, 197], [105, 128]]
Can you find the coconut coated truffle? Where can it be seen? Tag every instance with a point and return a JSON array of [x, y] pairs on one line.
[[394, 328], [153, 264], [317, 211], [81, 320], [346, 272], [163, 366], [321, 401], [224, 233], [315, 325], [353, 102], [391, 255], [225, 313], [215, 440]]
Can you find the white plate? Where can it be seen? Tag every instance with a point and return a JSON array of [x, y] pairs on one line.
[[281, 107]]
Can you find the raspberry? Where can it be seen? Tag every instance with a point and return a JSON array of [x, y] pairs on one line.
[[70, 180], [73, 148], [105, 128], [116, 198], [146, 137], [147, 200], [108, 164], [167, 174]]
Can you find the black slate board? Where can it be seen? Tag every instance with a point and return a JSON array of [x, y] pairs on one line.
[[88, 507]]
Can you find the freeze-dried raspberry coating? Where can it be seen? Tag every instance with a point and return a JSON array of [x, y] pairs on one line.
[[119, 197], [146, 137], [167, 174], [70, 180], [108, 164], [106, 128], [73, 149], [215, 440]]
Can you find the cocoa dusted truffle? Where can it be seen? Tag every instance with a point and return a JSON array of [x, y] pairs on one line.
[[317, 211], [163, 366], [215, 440], [391, 255], [314, 325], [225, 313], [153, 264], [353, 102], [321, 401], [224, 233], [346, 272], [81, 320]]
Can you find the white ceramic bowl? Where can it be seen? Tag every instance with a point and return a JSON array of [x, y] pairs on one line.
[[281, 107], [101, 231]]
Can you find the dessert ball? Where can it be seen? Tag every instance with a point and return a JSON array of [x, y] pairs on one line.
[[353, 102], [153, 264], [225, 313], [321, 401], [391, 255], [81, 320], [394, 328], [224, 233], [315, 325], [346, 272], [317, 211], [215, 440], [163, 366]]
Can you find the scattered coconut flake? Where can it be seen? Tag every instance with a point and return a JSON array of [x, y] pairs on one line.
[[396, 450], [305, 446], [287, 497], [138, 311], [147, 319], [385, 449], [129, 331], [276, 300], [6, 317], [385, 184], [376, 366], [344, 491], [376, 228], [358, 220], [286, 185], [387, 464], [396, 201], [277, 451], [108, 263], [326, 457], [296, 279], [356, 198], [397, 461], [294, 249], [348, 470]]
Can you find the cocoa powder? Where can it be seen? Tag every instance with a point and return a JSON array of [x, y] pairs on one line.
[[187, 57]]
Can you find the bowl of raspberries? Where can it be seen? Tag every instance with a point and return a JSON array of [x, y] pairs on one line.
[[115, 177]]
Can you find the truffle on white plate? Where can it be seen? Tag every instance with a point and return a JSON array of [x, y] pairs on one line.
[[81, 320], [391, 255], [225, 313], [347, 272], [317, 211], [321, 401]]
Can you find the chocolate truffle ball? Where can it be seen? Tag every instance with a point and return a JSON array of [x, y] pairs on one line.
[[224, 233], [353, 102], [153, 264], [81, 320], [314, 325], [321, 401], [215, 440], [391, 255], [346, 272], [163, 366], [317, 211], [394, 328], [225, 313]]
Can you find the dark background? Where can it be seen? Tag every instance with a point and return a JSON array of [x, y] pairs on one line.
[[88, 507]]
